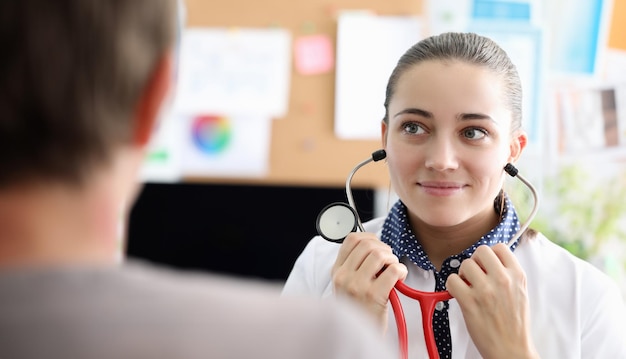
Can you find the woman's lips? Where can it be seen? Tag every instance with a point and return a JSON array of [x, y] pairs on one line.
[[441, 188]]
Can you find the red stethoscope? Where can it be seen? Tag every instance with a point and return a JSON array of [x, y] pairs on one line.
[[338, 219]]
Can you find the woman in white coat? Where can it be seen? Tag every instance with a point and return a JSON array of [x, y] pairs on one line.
[[452, 123]]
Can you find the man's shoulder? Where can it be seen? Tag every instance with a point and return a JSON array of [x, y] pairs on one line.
[[178, 312], [252, 310]]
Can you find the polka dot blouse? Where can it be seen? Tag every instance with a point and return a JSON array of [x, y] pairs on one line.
[[397, 233]]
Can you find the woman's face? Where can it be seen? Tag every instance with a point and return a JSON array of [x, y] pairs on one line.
[[448, 140]]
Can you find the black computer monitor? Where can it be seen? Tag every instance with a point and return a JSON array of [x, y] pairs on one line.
[[243, 230]]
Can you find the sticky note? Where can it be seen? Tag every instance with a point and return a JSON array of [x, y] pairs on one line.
[[314, 54]]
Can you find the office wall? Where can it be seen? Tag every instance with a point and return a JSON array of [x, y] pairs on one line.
[[304, 149]]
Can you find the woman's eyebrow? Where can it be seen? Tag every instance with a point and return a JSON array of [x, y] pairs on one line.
[[475, 116], [415, 111], [461, 116]]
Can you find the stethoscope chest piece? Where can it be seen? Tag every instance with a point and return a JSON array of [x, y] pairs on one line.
[[336, 221]]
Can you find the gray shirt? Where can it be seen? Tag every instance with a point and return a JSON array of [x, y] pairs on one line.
[[141, 311]]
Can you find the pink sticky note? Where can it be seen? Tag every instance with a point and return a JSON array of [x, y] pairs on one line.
[[314, 54]]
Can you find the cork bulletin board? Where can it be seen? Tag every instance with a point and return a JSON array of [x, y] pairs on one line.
[[304, 149]]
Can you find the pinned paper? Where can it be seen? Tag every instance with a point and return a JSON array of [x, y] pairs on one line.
[[368, 48], [162, 162], [220, 145], [599, 111], [234, 70], [314, 54]]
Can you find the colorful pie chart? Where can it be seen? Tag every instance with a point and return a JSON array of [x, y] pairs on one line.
[[211, 134]]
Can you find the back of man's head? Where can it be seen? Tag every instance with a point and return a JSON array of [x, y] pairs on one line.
[[71, 74]]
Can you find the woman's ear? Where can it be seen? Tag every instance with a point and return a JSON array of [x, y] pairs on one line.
[[517, 145], [152, 98], [383, 132]]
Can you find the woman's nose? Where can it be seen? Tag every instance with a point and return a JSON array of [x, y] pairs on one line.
[[441, 155]]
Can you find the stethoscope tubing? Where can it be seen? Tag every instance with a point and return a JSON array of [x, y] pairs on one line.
[[376, 156], [428, 302]]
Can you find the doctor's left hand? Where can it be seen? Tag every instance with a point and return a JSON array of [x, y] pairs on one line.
[[366, 270], [491, 291]]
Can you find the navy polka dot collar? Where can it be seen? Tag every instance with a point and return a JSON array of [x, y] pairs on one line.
[[398, 234]]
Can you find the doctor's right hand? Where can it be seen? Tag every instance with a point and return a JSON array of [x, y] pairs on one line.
[[366, 270]]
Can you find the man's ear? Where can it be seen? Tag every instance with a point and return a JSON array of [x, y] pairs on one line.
[[518, 143], [152, 98]]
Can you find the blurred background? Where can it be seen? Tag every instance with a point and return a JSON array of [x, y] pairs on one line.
[[278, 100]]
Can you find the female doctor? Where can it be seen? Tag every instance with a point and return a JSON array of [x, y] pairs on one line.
[[452, 122]]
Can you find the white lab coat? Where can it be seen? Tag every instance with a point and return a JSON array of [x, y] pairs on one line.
[[576, 310]]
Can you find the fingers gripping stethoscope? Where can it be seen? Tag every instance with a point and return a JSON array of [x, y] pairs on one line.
[[338, 219]]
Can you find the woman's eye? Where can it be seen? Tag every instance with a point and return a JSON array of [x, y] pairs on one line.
[[413, 128], [474, 133]]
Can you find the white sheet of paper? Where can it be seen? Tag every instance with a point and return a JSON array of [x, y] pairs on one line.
[[592, 122], [243, 70], [614, 65], [162, 163], [581, 109], [368, 48], [233, 146]]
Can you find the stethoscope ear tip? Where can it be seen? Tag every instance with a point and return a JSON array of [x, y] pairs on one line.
[[379, 155], [510, 169]]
